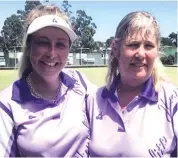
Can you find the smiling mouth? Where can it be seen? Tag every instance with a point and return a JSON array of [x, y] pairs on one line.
[[50, 64], [138, 64]]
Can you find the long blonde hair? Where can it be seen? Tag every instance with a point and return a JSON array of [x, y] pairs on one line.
[[134, 22], [40, 10]]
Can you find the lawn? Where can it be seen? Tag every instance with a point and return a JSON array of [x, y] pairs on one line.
[[95, 75]]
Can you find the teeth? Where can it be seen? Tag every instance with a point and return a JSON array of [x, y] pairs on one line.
[[50, 64]]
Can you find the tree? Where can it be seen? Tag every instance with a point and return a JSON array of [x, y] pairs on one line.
[[12, 35], [109, 41], [165, 41], [168, 60], [99, 45], [1, 41], [13, 29], [173, 38], [66, 6], [85, 30], [29, 5]]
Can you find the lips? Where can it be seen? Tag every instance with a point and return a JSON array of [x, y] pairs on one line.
[[137, 64], [50, 64]]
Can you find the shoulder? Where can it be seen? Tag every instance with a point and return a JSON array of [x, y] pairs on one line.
[[13, 93], [96, 103], [168, 89], [81, 80], [5, 102], [6, 94], [74, 74], [168, 96], [96, 98]]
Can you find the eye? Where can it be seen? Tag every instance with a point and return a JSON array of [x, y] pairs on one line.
[[60, 45], [133, 45], [42, 43], [149, 46]]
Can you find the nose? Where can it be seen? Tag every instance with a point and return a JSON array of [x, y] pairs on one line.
[[51, 51], [140, 52]]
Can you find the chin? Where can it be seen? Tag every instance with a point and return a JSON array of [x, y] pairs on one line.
[[140, 77], [51, 71], [49, 74]]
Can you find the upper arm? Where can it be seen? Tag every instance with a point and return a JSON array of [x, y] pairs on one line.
[[175, 126], [8, 146], [174, 107], [175, 119]]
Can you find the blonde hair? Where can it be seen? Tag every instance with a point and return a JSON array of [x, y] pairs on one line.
[[40, 10], [134, 22]]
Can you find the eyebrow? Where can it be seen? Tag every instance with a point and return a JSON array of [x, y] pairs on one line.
[[40, 37], [135, 41], [62, 39], [44, 37]]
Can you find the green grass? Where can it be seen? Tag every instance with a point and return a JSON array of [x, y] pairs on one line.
[[172, 74], [95, 75], [7, 77]]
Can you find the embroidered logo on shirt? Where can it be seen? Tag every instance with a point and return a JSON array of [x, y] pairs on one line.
[[159, 149]]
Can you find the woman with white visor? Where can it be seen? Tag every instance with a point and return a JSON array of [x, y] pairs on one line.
[[43, 113]]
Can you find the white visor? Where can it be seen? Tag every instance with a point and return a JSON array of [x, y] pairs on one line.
[[51, 20]]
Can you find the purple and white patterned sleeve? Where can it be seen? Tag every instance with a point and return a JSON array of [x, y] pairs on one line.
[[8, 146], [175, 112]]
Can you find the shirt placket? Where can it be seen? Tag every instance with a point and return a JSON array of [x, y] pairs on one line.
[[128, 112]]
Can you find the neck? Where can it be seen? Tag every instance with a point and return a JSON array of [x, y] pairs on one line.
[[127, 92], [130, 89], [47, 87]]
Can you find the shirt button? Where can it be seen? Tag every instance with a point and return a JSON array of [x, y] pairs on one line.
[[123, 111]]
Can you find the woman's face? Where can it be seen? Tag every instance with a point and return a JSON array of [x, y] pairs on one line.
[[136, 60], [49, 51]]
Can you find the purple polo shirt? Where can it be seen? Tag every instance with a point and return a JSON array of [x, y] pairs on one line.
[[148, 127], [35, 127]]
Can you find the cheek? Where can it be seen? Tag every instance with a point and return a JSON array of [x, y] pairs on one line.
[[34, 58], [38, 51], [36, 54], [151, 56], [126, 55], [63, 55], [125, 58]]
